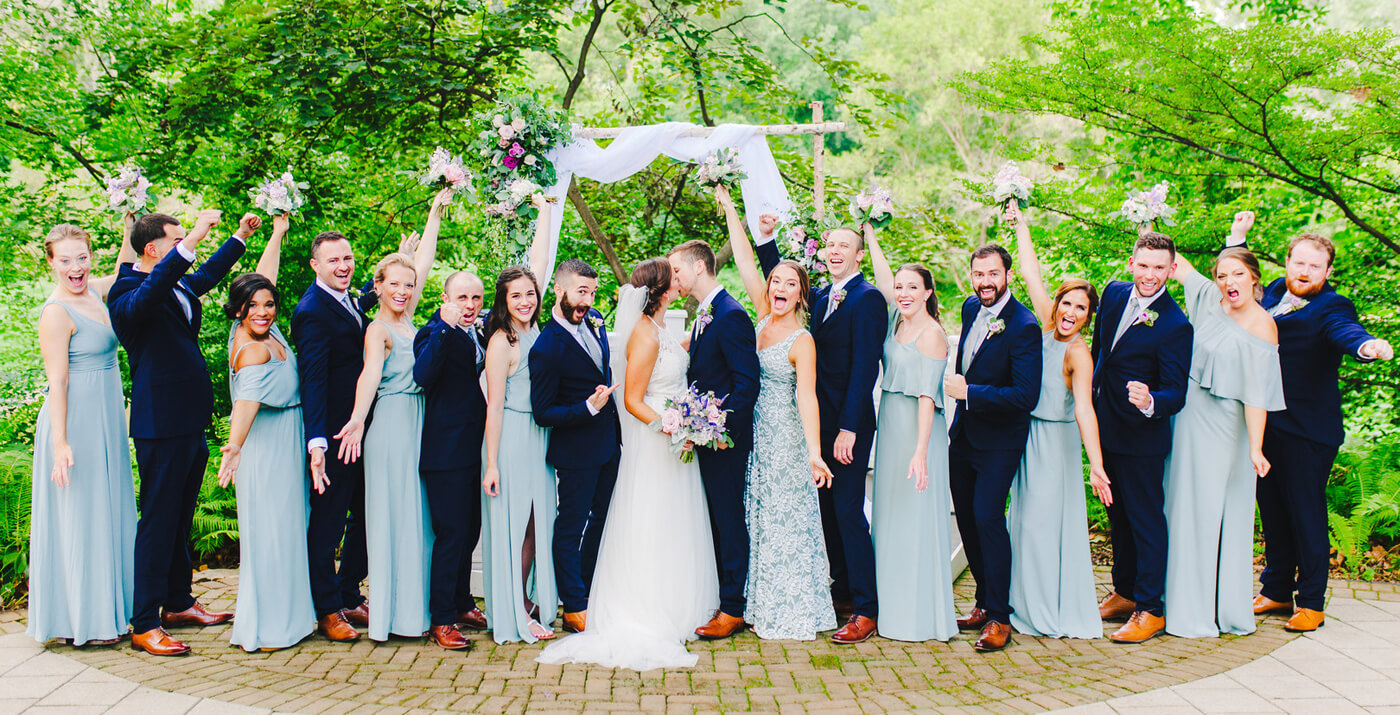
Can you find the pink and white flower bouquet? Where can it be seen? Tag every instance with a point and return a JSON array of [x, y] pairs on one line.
[[1008, 183], [1144, 207], [128, 191], [800, 238], [279, 195], [720, 168], [446, 171], [873, 206], [695, 417]]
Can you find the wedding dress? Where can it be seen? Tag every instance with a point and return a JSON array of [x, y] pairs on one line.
[[655, 581]]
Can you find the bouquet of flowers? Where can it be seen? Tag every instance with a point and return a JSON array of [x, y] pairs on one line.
[[514, 200], [873, 206], [127, 192], [446, 171], [512, 141], [279, 195], [695, 417], [800, 235], [1009, 183], [720, 168], [1144, 207]]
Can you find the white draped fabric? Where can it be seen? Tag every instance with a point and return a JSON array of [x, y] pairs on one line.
[[636, 147]]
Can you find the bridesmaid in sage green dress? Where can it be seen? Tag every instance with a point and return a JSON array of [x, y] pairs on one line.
[[1217, 449], [398, 528], [83, 511], [265, 459], [910, 514], [1052, 576]]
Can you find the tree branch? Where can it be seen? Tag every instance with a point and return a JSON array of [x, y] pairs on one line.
[[595, 231], [72, 151]]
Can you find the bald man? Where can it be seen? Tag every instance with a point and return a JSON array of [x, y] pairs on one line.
[[449, 354]]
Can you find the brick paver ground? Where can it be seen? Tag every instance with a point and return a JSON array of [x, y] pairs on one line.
[[741, 673]]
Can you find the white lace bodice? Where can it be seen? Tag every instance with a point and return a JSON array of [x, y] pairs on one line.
[[668, 375]]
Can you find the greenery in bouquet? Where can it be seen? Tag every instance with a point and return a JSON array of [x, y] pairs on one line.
[[511, 146], [799, 236], [720, 168], [1144, 207], [873, 206], [129, 191], [279, 195]]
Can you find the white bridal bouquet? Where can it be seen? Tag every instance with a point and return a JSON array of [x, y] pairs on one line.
[[1144, 207], [515, 195], [873, 206], [1009, 183], [720, 168], [279, 195], [445, 170], [695, 417], [128, 191]]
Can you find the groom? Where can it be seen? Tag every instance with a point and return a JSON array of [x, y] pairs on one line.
[[570, 390], [723, 360]]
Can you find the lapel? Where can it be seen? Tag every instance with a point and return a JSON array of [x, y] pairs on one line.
[[699, 333], [571, 343], [987, 341], [335, 307], [962, 338], [1135, 326]]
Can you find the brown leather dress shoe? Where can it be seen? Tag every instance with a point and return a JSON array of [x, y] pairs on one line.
[[973, 621], [1142, 626], [1263, 604], [472, 619], [722, 625], [857, 630], [157, 642], [1116, 608], [195, 615], [358, 616], [995, 636], [336, 628], [575, 622], [1305, 620], [448, 637]]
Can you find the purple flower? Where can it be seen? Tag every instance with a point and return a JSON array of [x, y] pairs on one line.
[[510, 162], [516, 150], [811, 247]]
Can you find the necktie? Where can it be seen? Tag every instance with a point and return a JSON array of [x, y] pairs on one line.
[[1130, 313], [591, 346], [976, 336], [345, 301], [471, 333], [831, 302], [183, 299]]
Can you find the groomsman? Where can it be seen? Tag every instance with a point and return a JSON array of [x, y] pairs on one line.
[[848, 325], [996, 385], [1142, 354], [156, 314], [570, 391], [328, 327], [1316, 328], [724, 360], [448, 359]]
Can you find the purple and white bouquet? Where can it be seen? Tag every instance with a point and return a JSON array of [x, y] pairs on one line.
[[873, 206], [446, 171], [279, 195], [720, 168], [800, 238], [1008, 183], [514, 197], [1144, 207], [128, 191], [695, 417]]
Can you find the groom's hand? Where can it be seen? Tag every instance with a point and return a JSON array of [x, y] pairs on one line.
[[767, 222], [844, 447], [600, 396], [1139, 395]]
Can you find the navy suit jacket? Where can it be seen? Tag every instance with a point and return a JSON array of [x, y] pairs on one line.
[[170, 391], [1311, 343], [724, 359], [1158, 355], [454, 413], [562, 378], [330, 355], [1003, 380], [849, 346]]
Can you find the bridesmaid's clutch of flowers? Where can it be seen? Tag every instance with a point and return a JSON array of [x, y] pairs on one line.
[[695, 417]]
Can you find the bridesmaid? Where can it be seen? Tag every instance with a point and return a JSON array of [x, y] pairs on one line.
[[265, 459], [1217, 446], [83, 520], [910, 514], [397, 525], [789, 587], [1052, 576], [517, 517]]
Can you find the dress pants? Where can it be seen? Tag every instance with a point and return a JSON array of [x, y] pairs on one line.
[[1293, 511], [981, 482], [847, 531], [723, 472], [454, 504], [332, 591], [172, 470], [584, 495], [1138, 524]]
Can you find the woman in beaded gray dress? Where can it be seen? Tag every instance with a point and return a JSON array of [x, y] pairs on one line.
[[789, 586], [83, 509], [1052, 576], [1217, 448], [265, 460], [910, 514]]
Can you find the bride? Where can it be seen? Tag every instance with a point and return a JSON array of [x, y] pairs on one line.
[[655, 581]]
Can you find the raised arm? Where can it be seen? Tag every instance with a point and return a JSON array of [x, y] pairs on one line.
[[217, 267], [426, 251], [539, 247], [126, 254], [744, 258], [271, 258], [803, 357], [55, 332], [377, 344], [1029, 263], [884, 275]]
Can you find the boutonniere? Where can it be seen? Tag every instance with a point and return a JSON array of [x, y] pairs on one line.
[[595, 322], [1146, 317], [995, 326], [837, 295], [704, 318], [1295, 304], [354, 293]]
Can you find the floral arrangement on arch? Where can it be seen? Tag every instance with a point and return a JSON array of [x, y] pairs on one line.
[[799, 234], [510, 147]]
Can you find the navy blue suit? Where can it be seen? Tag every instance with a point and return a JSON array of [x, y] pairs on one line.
[[988, 438], [849, 346], [583, 449], [171, 405], [447, 364], [330, 355], [1136, 446], [724, 360], [1301, 442]]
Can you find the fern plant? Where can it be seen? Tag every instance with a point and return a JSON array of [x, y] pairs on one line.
[[1363, 504], [16, 490], [215, 523]]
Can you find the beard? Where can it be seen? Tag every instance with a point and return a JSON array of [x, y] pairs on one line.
[[572, 313], [1307, 292], [1000, 291]]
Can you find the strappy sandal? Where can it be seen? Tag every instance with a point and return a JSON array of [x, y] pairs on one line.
[[538, 630]]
